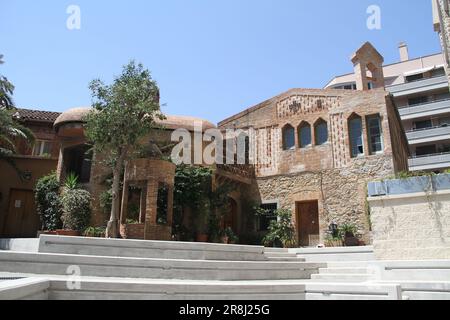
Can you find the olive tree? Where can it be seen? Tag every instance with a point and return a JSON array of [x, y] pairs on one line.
[[124, 113]]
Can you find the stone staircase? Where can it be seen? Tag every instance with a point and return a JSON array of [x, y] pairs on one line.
[[132, 269]]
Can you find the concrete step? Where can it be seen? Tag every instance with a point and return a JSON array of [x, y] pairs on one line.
[[275, 258], [149, 249], [342, 278], [343, 271], [95, 288], [335, 254], [101, 266], [349, 264]]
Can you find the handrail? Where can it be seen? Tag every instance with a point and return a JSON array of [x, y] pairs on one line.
[[423, 103]]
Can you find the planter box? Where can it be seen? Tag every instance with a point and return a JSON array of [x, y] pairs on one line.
[[441, 182], [68, 233], [411, 185], [132, 231]]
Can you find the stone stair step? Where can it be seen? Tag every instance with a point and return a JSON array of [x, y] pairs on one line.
[[341, 277], [149, 249], [347, 270], [102, 266]]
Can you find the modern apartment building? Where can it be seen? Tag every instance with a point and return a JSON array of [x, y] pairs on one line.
[[441, 23], [420, 90]]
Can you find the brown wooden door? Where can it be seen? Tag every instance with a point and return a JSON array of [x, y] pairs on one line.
[[308, 222], [22, 219]]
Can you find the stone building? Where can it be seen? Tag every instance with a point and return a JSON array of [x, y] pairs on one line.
[[318, 149], [18, 216]]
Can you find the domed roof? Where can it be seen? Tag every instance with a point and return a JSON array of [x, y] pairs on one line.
[[72, 115], [171, 122], [184, 122]]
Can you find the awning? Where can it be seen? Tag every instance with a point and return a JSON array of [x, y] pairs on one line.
[[423, 70]]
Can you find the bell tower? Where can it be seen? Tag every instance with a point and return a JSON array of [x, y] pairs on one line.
[[368, 67]]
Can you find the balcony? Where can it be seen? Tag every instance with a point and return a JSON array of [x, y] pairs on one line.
[[428, 135], [430, 162], [418, 86], [425, 109]]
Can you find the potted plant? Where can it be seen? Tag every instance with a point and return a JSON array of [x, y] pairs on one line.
[[281, 231], [76, 208], [229, 236], [348, 233]]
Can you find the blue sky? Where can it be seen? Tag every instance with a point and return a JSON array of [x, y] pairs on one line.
[[211, 58]]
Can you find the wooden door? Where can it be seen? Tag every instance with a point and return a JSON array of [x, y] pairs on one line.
[[308, 222], [22, 220]]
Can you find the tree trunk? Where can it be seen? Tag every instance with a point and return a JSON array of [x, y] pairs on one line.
[[112, 231]]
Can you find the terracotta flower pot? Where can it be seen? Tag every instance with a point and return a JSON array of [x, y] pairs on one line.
[[68, 233], [202, 237]]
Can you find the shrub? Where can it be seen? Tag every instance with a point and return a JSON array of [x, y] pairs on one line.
[[281, 231], [48, 202], [95, 232], [76, 205], [348, 230]]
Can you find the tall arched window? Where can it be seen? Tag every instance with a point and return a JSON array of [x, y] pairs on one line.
[[288, 137], [356, 136], [304, 135], [321, 132]]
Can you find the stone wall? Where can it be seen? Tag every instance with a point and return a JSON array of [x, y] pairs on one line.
[[411, 226], [341, 194]]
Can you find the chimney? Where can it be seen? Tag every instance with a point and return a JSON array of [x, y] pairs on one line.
[[404, 54]]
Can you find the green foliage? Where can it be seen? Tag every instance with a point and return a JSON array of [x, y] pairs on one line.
[[71, 181], [193, 189], [232, 237], [6, 90], [125, 111], [95, 232], [282, 231], [348, 229], [106, 201], [48, 202], [76, 209]]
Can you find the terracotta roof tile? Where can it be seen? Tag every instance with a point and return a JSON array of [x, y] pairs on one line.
[[36, 115]]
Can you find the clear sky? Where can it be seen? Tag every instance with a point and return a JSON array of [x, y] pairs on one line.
[[211, 58]]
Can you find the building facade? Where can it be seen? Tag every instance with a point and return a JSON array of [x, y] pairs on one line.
[[317, 149], [421, 94], [18, 216]]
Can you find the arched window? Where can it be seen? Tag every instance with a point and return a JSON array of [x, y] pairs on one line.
[[321, 132], [304, 135], [288, 137], [356, 136]]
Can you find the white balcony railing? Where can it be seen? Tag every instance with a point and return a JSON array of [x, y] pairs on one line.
[[428, 135], [425, 109], [418, 86], [430, 162]]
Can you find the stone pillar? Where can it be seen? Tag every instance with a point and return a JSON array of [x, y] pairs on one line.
[[143, 206], [124, 209], [361, 76]]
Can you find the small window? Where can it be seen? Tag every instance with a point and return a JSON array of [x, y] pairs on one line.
[[288, 137], [42, 148], [304, 132], [375, 135], [321, 132], [356, 136], [266, 219]]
